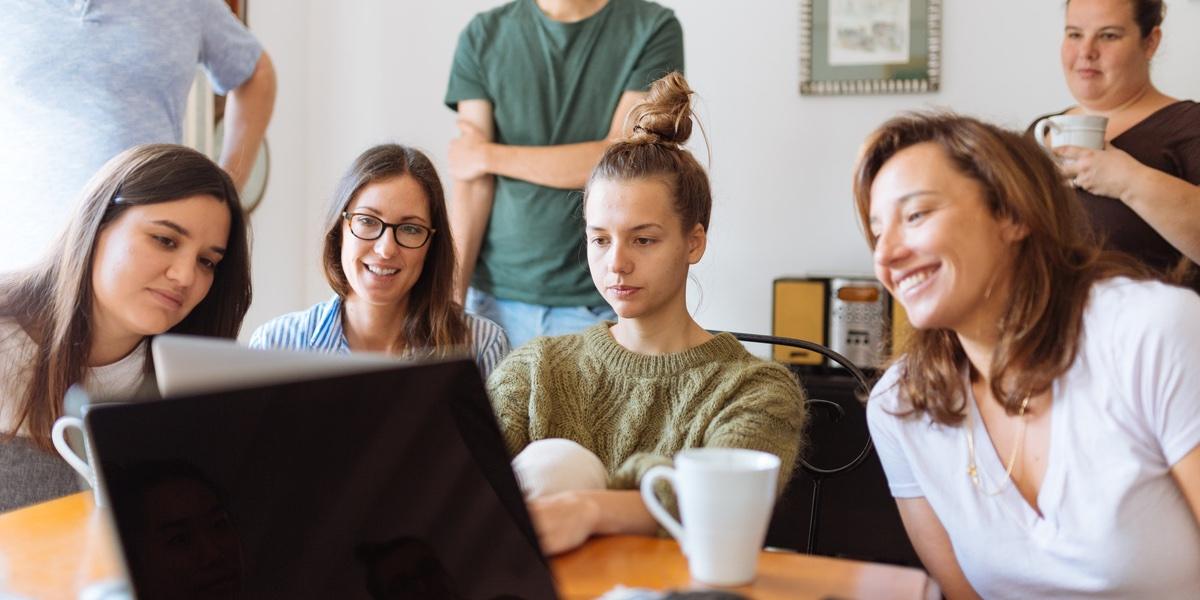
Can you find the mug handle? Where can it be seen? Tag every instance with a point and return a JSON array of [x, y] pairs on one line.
[[656, 508], [58, 436], [1039, 132]]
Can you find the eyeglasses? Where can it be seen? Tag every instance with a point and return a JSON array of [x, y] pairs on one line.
[[369, 228]]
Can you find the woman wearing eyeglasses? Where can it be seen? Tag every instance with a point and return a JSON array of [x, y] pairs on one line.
[[390, 260]]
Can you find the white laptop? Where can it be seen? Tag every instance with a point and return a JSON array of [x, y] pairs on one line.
[[186, 365]]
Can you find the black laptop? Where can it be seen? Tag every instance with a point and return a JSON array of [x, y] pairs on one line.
[[391, 483]]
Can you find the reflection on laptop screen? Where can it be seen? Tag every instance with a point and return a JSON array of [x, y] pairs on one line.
[[386, 484]]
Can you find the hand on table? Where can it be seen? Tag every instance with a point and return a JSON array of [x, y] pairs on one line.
[[1107, 172], [467, 158], [563, 520]]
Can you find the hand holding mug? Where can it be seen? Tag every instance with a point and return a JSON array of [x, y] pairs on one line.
[[1105, 172]]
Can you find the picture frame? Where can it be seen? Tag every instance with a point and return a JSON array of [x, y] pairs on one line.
[[870, 46]]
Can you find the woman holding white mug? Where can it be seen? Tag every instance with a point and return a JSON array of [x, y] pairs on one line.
[[158, 243], [1141, 189]]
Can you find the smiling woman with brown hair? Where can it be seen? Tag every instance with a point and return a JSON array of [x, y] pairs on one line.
[[158, 244], [1041, 429], [389, 257]]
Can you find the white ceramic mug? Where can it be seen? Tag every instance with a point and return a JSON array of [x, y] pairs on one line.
[[725, 498], [1071, 130], [83, 465]]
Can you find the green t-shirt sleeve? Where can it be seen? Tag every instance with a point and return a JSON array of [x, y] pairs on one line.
[[467, 81], [662, 55]]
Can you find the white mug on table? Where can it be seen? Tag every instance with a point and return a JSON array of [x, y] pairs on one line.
[[1071, 130], [725, 498]]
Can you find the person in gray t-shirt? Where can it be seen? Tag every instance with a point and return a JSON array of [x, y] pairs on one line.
[[82, 80]]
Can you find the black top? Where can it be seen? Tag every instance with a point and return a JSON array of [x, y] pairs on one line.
[[1169, 141]]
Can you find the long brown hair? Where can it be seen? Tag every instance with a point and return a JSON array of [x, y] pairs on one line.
[[661, 124], [434, 321], [52, 301], [1041, 327]]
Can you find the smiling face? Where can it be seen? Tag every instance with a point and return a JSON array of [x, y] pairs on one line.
[[938, 249], [381, 272], [154, 263], [1105, 59], [638, 253]]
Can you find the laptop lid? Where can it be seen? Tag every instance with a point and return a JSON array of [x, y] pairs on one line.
[[391, 483], [186, 364]]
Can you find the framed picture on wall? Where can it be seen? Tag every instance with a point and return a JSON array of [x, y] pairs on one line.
[[870, 46]]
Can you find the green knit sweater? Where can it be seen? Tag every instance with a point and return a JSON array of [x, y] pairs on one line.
[[635, 411]]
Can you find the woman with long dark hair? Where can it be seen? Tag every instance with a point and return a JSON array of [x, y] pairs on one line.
[[157, 244]]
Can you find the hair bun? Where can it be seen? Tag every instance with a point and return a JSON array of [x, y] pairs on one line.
[[666, 114]]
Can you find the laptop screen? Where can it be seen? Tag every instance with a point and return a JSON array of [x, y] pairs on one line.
[[386, 484]]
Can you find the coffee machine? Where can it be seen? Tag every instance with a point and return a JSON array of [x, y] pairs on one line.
[[853, 316]]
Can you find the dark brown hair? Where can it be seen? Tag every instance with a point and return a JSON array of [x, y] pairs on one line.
[[1040, 330], [1148, 14], [655, 150], [52, 301], [434, 322]]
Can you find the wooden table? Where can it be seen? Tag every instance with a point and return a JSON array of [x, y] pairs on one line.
[[54, 550]]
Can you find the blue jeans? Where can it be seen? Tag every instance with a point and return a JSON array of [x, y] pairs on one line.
[[523, 322]]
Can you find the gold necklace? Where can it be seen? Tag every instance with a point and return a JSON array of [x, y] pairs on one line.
[[1018, 443]]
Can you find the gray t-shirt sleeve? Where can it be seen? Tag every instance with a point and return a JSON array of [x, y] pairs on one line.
[[228, 51], [467, 81], [662, 55]]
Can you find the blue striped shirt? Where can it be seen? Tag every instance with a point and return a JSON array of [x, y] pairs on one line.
[[319, 329]]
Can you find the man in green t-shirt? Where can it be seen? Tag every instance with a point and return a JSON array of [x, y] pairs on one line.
[[542, 87]]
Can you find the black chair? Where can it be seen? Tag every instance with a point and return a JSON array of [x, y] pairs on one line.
[[839, 486]]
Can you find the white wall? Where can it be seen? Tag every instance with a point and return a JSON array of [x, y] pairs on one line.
[[280, 262], [357, 73]]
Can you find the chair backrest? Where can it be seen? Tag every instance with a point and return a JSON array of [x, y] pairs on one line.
[[839, 490], [29, 474]]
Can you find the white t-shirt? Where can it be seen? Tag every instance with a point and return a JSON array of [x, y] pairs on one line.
[[17, 352], [1114, 523]]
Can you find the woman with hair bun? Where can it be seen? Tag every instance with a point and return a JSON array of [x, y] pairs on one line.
[[587, 414]]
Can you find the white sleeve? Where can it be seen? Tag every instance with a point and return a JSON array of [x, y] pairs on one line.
[[886, 434], [1157, 353]]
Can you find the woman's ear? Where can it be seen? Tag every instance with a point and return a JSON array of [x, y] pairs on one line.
[[1012, 231], [697, 241], [1150, 44]]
